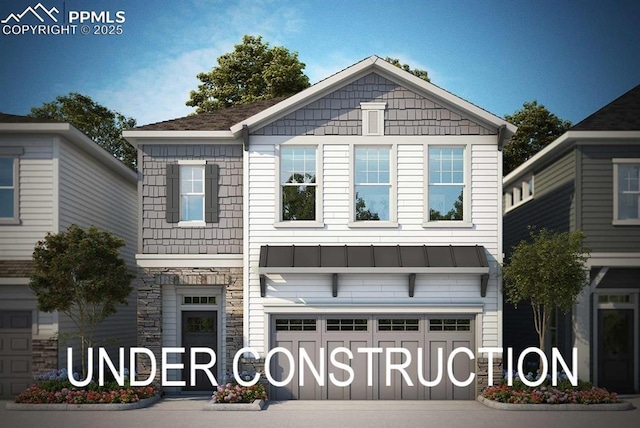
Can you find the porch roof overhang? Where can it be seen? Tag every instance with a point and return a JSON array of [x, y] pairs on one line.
[[373, 259], [377, 259]]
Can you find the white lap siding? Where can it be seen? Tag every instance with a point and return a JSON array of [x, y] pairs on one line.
[[315, 289]]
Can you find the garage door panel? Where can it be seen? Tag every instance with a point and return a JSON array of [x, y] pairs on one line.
[[442, 391], [415, 333], [307, 385], [15, 352]]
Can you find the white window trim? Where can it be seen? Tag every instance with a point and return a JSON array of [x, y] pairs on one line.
[[616, 221], [366, 108], [192, 223], [393, 193], [13, 153], [318, 222], [466, 221]]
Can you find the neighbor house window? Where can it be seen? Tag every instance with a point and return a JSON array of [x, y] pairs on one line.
[[446, 189], [9, 202], [298, 183], [626, 199], [372, 182]]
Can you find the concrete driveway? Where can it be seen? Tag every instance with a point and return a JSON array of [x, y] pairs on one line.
[[175, 412]]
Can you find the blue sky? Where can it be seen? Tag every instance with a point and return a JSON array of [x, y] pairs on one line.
[[572, 56]]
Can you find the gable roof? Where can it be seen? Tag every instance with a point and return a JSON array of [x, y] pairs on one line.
[[618, 121], [229, 123], [387, 70], [621, 114]]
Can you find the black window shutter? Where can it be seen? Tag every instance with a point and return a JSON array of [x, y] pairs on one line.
[[211, 195], [173, 193]]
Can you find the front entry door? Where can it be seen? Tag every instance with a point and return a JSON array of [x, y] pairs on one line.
[[615, 350], [199, 329]]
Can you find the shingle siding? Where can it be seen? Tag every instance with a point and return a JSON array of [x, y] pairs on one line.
[[407, 113], [160, 237]]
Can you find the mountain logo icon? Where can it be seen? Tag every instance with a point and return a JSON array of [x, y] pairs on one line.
[[38, 11]]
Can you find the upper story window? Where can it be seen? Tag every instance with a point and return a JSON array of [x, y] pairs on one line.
[[9, 184], [298, 183], [192, 193], [446, 183], [626, 191], [372, 183]]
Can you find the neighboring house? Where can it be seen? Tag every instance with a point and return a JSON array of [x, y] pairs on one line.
[[363, 211], [588, 179], [52, 176]]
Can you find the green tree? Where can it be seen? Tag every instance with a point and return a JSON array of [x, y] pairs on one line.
[[252, 72], [549, 272], [79, 272], [102, 125], [456, 213], [537, 128], [362, 213], [416, 72], [299, 202]]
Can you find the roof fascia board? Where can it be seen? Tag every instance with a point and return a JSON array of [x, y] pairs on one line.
[[356, 71], [309, 95], [136, 137], [76, 137], [564, 142]]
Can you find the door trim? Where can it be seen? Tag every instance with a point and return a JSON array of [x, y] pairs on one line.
[[633, 304]]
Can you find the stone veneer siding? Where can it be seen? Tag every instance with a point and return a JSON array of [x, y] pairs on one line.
[[149, 283], [45, 355], [407, 113], [482, 375], [160, 237]]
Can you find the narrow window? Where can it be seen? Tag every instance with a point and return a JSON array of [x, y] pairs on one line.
[[446, 183], [298, 183], [372, 183], [192, 193], [7, 188]]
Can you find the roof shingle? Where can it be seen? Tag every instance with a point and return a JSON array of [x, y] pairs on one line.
[[621, 114], [220, 120]]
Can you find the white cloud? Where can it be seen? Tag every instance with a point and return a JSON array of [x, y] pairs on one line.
[[158, 90]]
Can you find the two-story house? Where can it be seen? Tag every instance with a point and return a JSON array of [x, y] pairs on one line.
[[52, 176], [362, 212], [588, 179]]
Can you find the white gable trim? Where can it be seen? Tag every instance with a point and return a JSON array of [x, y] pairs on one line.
[[358, 70]]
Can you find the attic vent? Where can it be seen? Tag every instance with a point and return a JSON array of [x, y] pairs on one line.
[[373, 118]]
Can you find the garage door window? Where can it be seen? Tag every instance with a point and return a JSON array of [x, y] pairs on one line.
[[347, 324], [408, 324], [296, 325], [449, 324]]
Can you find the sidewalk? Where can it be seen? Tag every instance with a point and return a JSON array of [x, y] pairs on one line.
[[173, 412]]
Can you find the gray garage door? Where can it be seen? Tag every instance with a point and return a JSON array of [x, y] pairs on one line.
[[15, 352], [416, 333]]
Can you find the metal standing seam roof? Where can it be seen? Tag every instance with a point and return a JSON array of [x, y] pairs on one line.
[[401, 257]]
